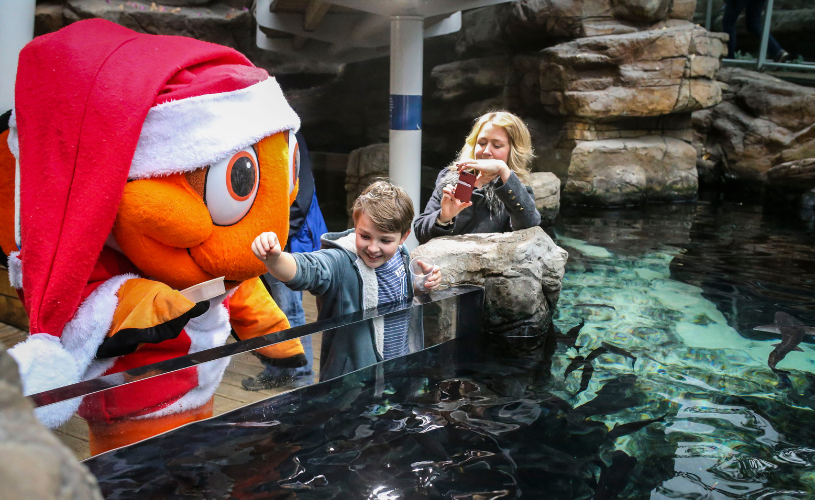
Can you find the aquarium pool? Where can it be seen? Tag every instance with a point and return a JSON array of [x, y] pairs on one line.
[[668, 396]]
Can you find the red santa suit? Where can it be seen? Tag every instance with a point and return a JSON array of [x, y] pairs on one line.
[[145, 164]]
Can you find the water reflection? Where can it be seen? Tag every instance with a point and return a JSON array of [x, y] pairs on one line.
[[659, 388]]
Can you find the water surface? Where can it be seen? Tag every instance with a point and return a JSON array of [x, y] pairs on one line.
[[668, 396]]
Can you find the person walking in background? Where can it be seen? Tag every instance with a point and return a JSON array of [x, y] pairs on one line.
[[306, 226], [499, 150], [752, 8]]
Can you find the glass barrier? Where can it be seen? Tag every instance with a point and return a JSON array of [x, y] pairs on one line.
[[120, 409]]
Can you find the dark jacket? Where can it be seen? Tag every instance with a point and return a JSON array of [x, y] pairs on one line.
[[343, 284], [518, 210], [306, 224]]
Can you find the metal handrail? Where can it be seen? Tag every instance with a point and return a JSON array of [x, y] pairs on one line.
[[765, 38]]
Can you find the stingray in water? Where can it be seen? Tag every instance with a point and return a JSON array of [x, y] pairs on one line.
[[792, 333]]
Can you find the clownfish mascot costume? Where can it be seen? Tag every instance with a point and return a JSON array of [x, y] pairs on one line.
[[143, 165]]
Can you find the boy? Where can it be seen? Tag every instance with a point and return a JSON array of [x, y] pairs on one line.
[[358, 269]]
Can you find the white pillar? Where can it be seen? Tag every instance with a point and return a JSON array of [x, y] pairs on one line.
[[16, 30], [407, 46]]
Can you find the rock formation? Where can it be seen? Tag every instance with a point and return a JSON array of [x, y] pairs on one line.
[[546, 187], [577, 71], [35, 463], [761, 122], [521, 272]]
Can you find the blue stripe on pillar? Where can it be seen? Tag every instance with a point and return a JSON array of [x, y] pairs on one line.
[[406, 112]]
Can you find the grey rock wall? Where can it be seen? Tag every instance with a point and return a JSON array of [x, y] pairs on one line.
[[34, 464], [761, 122]]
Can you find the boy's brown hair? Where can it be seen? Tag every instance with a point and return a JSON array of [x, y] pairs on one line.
[[389, 207]]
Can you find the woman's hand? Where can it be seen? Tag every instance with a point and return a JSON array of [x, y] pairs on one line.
[[488, 169], [450, 206]]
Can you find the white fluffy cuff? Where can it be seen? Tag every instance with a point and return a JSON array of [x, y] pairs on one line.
[[44, 365]]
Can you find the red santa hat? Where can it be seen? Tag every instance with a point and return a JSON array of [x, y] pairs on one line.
[[97, 104]]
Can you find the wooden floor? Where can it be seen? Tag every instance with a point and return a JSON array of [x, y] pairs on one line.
[[229, 396]]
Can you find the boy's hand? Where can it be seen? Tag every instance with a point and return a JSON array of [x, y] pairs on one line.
[[434, 280], [266, 247]]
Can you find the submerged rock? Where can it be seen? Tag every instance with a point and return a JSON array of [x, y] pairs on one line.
[[35, 464], [521, 272]]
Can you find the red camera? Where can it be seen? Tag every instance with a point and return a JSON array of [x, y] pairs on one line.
[[465, 186]]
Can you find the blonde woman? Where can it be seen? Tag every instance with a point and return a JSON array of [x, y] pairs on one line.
[[499, 150]]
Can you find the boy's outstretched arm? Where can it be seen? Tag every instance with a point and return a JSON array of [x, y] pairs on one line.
[[280, 264]]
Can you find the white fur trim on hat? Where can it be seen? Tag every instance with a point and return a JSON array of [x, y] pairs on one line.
[[47, 362], [188, 134]]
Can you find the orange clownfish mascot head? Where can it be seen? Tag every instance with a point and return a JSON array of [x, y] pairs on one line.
[[144, 165]]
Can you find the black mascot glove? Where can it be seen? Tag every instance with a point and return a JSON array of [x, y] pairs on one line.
[[127, 341]]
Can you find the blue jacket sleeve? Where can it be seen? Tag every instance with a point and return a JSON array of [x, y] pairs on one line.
[[317, 272]]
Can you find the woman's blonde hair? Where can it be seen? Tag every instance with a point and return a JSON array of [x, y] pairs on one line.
[[520, 142]]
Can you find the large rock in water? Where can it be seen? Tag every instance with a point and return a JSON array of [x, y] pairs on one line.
[[762, 122], [620, 172], [521, 272], [34, 463]]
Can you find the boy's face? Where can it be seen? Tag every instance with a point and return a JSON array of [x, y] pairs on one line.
[[374, 246]]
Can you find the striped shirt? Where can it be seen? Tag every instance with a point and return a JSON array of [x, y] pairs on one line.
[[392, 281]]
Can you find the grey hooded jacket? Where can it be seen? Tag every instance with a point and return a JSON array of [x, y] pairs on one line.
[[343, 284]]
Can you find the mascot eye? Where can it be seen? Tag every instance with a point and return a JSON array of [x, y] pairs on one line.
[[294, 161], [231, 187]]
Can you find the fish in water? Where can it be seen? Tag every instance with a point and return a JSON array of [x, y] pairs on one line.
[[588, 371], [792, 333], [571, 336], [613, 349], [614, 478], [576, 363], [588, 368], [575, 330], [631, 427], [596, 305], [703, 320], [774, 328]]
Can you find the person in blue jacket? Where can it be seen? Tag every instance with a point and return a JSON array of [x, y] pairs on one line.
[[306, 227]]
